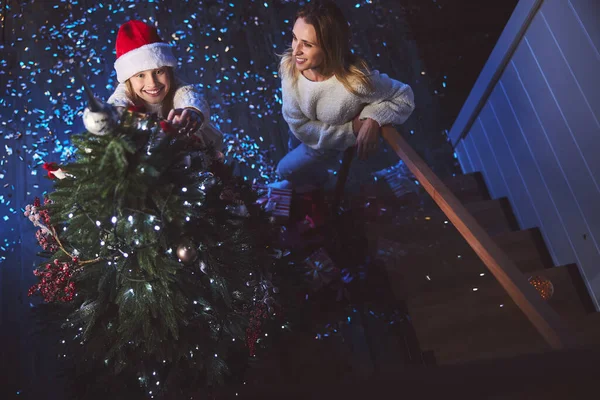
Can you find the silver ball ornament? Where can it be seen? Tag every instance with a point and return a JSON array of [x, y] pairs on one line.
[[187, 252]]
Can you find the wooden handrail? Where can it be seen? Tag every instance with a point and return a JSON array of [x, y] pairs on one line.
[[543, 318]]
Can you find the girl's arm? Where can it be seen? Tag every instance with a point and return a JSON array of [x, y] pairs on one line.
[[188, 97], [391, 102]]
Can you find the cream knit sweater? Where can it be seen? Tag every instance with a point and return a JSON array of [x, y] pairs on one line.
[[320, 114]]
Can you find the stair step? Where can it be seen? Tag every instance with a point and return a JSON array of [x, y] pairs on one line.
[[467, 188], [418, 268], [461, 323], [408, 226], [526, 248]]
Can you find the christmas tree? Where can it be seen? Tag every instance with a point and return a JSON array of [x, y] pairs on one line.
[[159, 261]]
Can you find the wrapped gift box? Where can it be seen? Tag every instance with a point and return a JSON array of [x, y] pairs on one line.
[[399, 178], [275, 201]]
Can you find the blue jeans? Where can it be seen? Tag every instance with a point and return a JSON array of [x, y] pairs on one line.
[[304, 165]]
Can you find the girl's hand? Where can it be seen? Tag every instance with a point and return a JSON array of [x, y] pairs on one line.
[[367, 139], [186, 120]]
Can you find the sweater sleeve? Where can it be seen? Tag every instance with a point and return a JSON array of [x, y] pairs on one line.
[[187, 96], [119, 98], [392, 102], [313, 133]]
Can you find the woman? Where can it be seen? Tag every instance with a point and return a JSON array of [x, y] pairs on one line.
[[331, 99], [144, 69]]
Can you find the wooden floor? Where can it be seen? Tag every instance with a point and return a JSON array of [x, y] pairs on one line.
[[556, 375], [449, 346]]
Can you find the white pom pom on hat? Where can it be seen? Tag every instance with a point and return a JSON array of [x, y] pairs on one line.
[[139, 48]]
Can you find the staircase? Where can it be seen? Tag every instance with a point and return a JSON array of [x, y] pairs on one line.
[[465, 335], [458, 310]]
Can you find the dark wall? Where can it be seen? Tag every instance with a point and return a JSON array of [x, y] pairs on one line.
[[454, 40]]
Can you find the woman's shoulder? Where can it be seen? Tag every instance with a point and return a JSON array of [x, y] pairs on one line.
[[361, 80]]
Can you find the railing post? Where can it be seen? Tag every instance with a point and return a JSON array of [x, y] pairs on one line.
[[543, 318]]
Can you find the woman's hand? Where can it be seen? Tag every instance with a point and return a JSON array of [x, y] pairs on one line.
[[186, 120], [367, 136]]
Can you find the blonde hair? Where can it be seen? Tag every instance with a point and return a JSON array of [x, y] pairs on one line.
[[333, 36], [167, 104]]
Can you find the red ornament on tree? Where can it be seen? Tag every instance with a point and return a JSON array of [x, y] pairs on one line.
[[54, 171]]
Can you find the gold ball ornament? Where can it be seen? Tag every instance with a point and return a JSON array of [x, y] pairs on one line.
[[187, 252], [543, 285]]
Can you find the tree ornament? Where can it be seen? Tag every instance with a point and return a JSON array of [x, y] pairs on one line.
[[187, 252], [203, 267], [543, 285], [98, 118], [54, 171], [100, 122]]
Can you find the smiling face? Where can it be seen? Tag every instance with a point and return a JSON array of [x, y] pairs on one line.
[[152, 86], [308, 54]]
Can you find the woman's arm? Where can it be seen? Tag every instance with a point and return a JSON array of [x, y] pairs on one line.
[[392, 102]]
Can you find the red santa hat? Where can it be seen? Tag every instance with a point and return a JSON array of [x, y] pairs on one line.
[[139, 48]]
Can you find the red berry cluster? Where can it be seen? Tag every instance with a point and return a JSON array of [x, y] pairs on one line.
[[254, 330], [55, 281], [44, 214], [46, 241]]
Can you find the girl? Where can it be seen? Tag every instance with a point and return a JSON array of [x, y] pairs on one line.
[[331, 99], [144, 69]]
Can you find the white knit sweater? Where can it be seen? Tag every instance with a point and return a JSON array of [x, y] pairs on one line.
[[185, 96], [320, 113]]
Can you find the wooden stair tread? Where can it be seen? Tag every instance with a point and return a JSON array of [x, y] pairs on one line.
[[568, 299], [411, 226], [467, 187], [460, 323], [417, 268]]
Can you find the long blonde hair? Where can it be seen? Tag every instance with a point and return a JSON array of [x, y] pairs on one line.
[[167, 104], [333, 36]]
